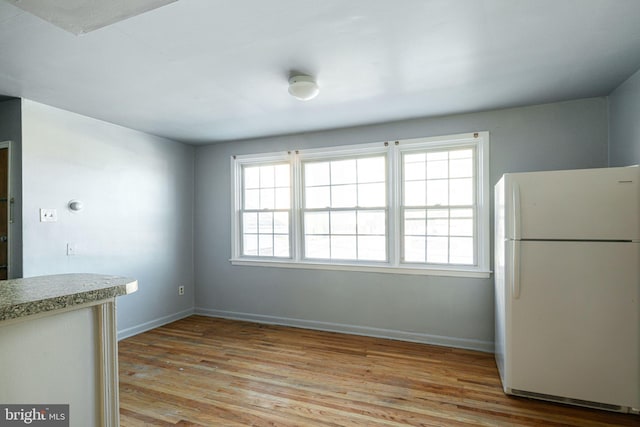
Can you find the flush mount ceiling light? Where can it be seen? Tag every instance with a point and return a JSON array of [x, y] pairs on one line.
[[83, 16], [303, 87]]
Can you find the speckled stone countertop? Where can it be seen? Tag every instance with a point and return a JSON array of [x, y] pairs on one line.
[[24, 297]]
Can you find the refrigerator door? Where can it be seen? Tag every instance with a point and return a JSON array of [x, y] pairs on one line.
[[573, 325], [586, 204]]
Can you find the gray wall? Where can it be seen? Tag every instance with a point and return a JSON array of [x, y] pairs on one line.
[[137, 221], [624, 123], [11, 130], [444, 310]]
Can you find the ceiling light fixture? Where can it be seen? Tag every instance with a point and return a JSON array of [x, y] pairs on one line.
[[303, 87]]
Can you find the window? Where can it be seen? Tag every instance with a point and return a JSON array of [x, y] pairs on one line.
[[345, 209], [266, 201], [416, 206], [438, 206]]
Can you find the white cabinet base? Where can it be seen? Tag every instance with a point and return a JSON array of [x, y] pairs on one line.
[[66, 356]]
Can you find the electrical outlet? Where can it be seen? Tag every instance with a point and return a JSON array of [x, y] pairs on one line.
[[180, 290]]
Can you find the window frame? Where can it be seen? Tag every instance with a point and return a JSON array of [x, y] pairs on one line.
[[393, 150]]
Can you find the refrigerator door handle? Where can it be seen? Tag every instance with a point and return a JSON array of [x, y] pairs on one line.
[[515, 215], [515, 270]]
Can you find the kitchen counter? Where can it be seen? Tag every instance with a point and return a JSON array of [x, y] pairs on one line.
[[24, 297], [58, 345]]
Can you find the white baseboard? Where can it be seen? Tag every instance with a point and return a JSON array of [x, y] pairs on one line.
[[152, 324], [469, 344]]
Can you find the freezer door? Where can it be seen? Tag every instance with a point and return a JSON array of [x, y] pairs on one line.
[[587, 204], [573, 329]]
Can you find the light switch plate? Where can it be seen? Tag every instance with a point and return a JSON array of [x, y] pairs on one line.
[[72, 249], [48, 215]]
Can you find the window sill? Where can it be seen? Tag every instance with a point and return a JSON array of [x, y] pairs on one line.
[[366, 268]]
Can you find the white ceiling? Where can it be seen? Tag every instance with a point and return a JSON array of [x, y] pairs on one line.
[[202, 71]]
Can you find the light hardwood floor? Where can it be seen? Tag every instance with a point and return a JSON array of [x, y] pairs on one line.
[[203, 371]]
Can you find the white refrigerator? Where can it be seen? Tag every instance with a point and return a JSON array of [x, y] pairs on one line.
[[567, 286]]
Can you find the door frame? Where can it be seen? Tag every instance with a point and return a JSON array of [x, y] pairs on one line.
[[7, 144]]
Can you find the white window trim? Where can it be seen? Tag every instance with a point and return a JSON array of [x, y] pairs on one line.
[[393, 151]]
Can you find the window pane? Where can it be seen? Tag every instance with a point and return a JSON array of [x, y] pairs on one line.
[[267, 176], [437, 192], [281, 246], [316, 174], [343, 196], [343, 247], [462, 250], [317, 197], [415, 222], [265, 222], [461, 191], [437, 155], [343, 222], [371, 195], [461, 154], [281, 222], [415, 171], [415, 227], [438, 250], [343, 172], [416, 157], [251, 177], [250, 244], [371, 169], [252, 199], [250, 222], [283, 196], [265, 242], [372, 222], [414, 249], [317, 247], [438, 169], [415, 193], [282, 176], [372, 248], [438, 227], [462, 168], [462, 227], [316, 223], [267, 198]]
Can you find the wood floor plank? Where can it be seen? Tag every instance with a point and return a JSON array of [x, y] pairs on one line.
[[204, 371]]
